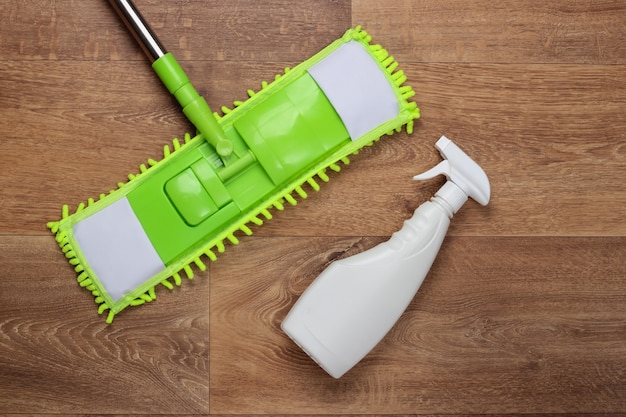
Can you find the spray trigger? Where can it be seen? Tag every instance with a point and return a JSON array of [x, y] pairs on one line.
[[465, 177], [442, 168]]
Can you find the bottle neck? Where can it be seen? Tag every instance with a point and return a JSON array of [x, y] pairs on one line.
[[450, 197]]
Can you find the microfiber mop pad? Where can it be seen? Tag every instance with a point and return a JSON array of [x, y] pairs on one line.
[[179, 211]]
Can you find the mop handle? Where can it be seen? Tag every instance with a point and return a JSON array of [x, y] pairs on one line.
[[173, 76], [140, 30]]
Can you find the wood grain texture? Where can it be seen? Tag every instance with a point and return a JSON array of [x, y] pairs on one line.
[[57, 355], [524, 311], [505, 31], [239, 30]]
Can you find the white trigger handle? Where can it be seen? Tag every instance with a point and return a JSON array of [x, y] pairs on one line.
[[460, 169], [442, 168]]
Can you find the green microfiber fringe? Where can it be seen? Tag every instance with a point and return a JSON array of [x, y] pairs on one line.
[[218, 244]]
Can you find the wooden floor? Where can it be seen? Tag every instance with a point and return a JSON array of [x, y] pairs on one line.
[[524, 310]]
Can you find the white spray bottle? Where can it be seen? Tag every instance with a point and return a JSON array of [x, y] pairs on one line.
[[354, 302]]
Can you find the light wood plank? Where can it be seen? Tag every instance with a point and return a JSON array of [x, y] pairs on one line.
[[58, 356], [504, 31], [544, 135], [501, 325]]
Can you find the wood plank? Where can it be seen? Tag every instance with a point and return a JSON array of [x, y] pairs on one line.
[[191, 29], [508, 31], [501, 325], [58, 356], [544, 135]]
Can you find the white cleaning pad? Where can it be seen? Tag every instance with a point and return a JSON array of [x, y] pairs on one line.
[[357, 88], [117, 249]]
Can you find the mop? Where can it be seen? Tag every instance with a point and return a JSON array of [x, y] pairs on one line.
[[185, 208]]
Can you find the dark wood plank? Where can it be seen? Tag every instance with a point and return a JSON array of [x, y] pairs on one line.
[[58, 356], [501, 325]]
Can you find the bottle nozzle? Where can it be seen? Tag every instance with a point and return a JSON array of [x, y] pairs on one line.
[[461, 170]]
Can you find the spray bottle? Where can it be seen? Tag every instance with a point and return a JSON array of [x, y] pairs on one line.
[[354, 302]]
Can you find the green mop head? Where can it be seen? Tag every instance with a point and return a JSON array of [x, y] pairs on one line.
[[185, 208]]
